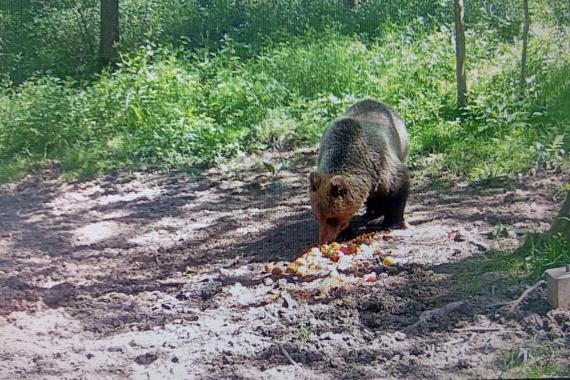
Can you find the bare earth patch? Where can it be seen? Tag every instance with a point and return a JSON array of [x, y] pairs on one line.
[[161, 276]]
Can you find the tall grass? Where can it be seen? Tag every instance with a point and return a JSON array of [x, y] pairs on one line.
[[167, 106]]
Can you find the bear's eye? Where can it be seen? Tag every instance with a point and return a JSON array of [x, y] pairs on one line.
[[333, 222]]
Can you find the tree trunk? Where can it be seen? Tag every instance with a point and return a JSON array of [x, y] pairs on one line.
[[351, 3], [460, 54], [561, 224], [239, 14], [109, 33], [525, 44]]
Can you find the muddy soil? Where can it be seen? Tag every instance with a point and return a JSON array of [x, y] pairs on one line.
[[151, 275]]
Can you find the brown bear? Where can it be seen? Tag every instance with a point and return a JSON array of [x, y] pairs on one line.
[[361, 161]]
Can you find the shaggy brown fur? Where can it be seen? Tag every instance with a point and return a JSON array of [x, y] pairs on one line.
[[361, 161]]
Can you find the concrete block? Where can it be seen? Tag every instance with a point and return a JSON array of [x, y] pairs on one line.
[[558, 282]]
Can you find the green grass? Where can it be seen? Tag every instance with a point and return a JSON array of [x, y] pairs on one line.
[[540, 252], [169, 107], [535, 363], [523, 265], [304, 332]]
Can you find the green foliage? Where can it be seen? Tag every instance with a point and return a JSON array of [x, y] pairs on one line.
[[274, 169], [304, 332], [500, 231], [27, 129], [532, 363], [539, 370], [528, 262], [519, 267], [58, 38], [248, 88], [61, 37]]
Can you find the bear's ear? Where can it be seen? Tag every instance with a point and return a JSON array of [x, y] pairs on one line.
[[338, 187], [314, 181]]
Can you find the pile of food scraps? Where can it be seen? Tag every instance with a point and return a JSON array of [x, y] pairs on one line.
[[339, 261]]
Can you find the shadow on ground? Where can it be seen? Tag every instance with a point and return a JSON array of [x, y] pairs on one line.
[[78, 245]]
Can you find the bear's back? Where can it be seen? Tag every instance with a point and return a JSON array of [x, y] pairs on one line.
[[368, 134], [385, 118]]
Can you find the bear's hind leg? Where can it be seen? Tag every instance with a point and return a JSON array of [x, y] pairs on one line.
[[394, 216], [395, 206]]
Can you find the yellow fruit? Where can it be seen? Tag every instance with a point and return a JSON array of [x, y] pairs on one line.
[[335, 246], [389, 261]]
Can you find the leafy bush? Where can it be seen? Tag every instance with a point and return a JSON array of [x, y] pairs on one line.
[[166, 106], [61, 37]]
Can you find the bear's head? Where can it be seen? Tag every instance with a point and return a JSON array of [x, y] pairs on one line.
[[335, 198]]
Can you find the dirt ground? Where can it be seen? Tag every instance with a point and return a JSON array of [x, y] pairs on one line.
[[161, 276]]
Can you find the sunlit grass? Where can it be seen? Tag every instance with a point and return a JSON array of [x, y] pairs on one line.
[[167, 107]]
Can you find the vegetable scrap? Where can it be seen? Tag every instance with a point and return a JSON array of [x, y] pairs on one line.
[[334, 261]]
